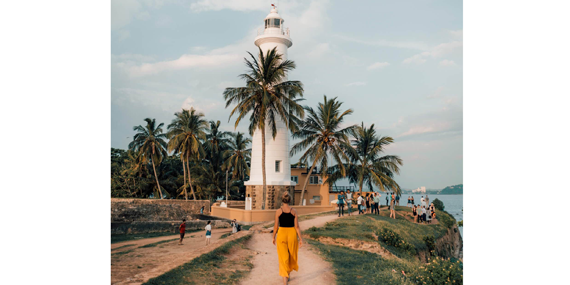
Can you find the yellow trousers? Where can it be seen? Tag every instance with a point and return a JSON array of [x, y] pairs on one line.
[[287, 248]]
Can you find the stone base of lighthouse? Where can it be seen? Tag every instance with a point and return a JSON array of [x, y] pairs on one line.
[[274, 194]]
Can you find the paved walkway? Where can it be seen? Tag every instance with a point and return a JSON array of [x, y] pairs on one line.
[[312, 268]]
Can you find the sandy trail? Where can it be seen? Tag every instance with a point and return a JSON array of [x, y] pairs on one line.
[[134, 265], [312, 268]]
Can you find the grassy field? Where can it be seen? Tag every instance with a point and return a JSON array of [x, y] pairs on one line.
[[126, 237], [361, 267], [225, 265], [365, 227]]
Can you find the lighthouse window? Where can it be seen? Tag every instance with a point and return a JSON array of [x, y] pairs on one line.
[[276, 22], [278, 166]]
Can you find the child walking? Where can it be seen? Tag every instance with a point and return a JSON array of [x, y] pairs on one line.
[[182, 229], [208, 233]]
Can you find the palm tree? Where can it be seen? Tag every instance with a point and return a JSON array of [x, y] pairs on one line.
[[268, 96], [186, 132], [366, 163], [322, 136], [216, 144], [238, 156], [149, 143]]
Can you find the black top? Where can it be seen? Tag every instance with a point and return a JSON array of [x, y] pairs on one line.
[[286, 220]]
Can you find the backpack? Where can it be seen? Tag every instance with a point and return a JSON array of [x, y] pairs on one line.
[[238, 227]]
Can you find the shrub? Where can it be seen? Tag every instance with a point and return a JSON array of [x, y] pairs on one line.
[[439, 271], [392, 238], [430, 244], [460, 223], [438, 204]]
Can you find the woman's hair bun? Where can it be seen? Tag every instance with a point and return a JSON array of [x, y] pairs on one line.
[[286, 198]]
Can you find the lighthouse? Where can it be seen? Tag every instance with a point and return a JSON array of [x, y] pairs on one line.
[[278, 167]]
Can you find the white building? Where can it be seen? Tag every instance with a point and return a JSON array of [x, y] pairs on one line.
[[278, 168], [420, 190]]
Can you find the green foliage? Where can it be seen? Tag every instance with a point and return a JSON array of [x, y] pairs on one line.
[[394, 239], [439, 271], [460, 223], [438, 204], [205, 269], [445, 219], [362, 267], [455, 189], [430, 244], [367, 163]]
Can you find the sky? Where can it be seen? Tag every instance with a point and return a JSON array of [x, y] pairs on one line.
[[397, 64]]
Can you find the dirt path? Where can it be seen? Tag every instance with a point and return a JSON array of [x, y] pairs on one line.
[[135, 265], [312, 268]]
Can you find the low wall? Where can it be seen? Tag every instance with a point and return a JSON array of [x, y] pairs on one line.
[[153, 210], [163, 226], [253, 216]]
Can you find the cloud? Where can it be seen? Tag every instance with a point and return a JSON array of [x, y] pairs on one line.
[[457, 34], [438, 51], [417, 59], [377, 65], [319, 50], [447, 62], [386, 43], [359, 83], [445, 122], [437, 94], [237, 5]]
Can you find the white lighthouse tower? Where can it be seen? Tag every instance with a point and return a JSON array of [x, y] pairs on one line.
[[278, 168]]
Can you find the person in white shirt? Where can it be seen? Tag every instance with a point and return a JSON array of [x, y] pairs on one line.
[[359, 201], [423, 201], [208, 233]]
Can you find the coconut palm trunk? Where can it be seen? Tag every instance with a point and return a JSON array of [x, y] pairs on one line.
[[184, 170], [190, 177], [307, 181], [156, 177], [263, 167]]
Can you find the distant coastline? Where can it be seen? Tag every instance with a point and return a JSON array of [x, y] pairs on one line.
[[449, 190]]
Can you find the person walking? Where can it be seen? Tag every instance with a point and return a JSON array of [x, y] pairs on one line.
[[367, 203], [287, 237], [372, 203], [234, 226], [423, 213], [359, 202], [393, 209], [427, 200], [423, 201], [397, 200], [413, 202], [377, 203], [208, 232], [349, 201], [340, 203], [182, 229]]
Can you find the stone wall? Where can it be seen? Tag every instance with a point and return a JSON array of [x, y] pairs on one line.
[[274, 194], [154, 210], [135, 216]]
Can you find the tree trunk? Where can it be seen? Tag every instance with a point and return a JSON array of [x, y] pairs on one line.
[[190, 177], [263, 167], [156, 177], [307, 181], [184, 170]]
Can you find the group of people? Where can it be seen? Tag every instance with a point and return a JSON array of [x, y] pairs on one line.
[[411, 201], [423, 213], [370, 203], [182, 229]]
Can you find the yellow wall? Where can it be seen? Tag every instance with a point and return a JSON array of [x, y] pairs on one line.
[[321, 190], [253, 216]]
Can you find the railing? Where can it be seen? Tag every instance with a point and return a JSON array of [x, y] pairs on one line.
[[337, 189]]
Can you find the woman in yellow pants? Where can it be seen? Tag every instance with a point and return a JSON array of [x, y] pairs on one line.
[[286, 229]]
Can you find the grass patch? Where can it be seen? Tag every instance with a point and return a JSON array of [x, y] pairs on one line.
[[364, 227], [225, 235], [215, 267], [246, 227], [158, 243], [127, 245], [361, 267], [127, 237], [123, 252]]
